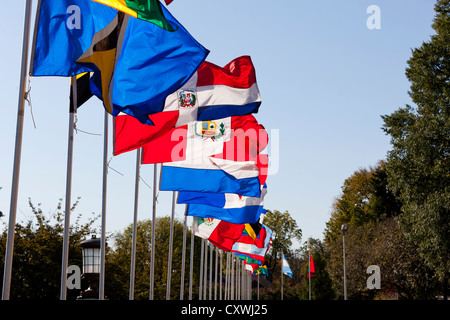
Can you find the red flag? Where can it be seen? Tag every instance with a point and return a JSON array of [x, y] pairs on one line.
[[168, 1], [311, 269]]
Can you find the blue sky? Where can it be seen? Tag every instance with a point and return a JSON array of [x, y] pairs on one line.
[[325, 80]]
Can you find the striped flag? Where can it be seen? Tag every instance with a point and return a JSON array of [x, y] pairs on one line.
[[286, 268]]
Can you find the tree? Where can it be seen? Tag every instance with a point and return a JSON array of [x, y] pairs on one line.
[[36, 270], [284, 229], [119, 261], [372, 212], [418, 166]]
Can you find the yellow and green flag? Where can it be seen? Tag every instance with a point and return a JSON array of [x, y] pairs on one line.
[[148, 10]]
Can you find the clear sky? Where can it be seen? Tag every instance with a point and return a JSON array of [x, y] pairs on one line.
[[325, 80]]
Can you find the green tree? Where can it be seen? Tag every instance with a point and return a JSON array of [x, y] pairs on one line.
[[119, 261], [285, 229], [418, 166], [36, 269]]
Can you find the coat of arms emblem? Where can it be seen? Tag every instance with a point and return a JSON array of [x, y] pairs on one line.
[[187, 98], [210, 129]]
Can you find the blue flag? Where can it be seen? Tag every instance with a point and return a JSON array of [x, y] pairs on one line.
[[136, 63], [286, 268]]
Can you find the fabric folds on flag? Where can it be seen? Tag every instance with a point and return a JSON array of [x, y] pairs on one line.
[[214, 93], [83, 91], [126, 54], [64, 30], [286, 268], [197, 169], [254, 248], [228, 207], [311, 269], [221, 234]]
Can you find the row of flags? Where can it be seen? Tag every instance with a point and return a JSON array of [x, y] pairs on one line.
[[190, 115]]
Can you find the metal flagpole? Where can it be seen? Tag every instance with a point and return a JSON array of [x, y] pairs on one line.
[[133, 246], [105, 185], [65, 253], [183, 256], [200, 285], [215, 274], [220, 274], [191, 267], [309, 273], [205, 271], [152, 262], [17, 155], [169, 264], [232, 278], [281, 274], [227, 268], [210, 270]]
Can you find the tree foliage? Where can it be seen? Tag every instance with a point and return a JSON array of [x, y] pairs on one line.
[[36, 269], [418, 166]]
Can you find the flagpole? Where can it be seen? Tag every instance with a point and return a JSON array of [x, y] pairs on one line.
[[169, 264], [183, 256], [152, 263], [211, 251], [220, 274], [135, 220], [191, 267], [281, 274], [215, 274], [200, 285], [205, 270], [17, 155], [309, 274], [104, 191], [66, 241]]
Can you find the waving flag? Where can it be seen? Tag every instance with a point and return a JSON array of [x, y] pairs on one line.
[[197, 169], [64, 30], [229, 207], [212, 93], [254, 248], [126, 54], [311, 269], [286, 268], [222, 234]]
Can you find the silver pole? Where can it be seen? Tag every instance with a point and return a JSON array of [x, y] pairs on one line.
[[232, 278], [105, 185], [210, 270], [281, 274], [183, 256], [220, 275], [215, 274], [135, 221], [191, 267], [205, 271], [152, 263], [257, 292], [169, 264], [200, 285], [17, 155], [227, 276], [309, 273], [344, 229], [65, 254]]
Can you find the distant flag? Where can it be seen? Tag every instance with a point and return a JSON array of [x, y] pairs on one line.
[[311, 269], [126, 54], [262, 270], [168, 1], [286, 268], [212, 93], [83, 90], [254, 248], [221, 234]]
